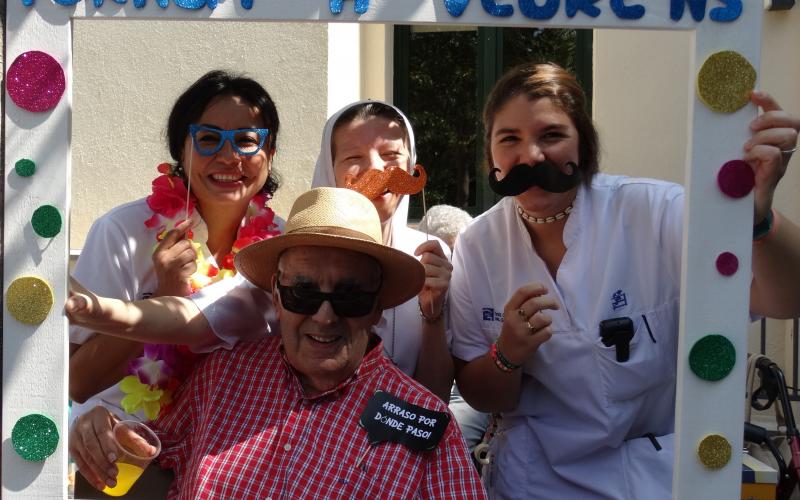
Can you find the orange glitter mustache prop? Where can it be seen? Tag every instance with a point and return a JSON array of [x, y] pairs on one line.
[[374, 183]]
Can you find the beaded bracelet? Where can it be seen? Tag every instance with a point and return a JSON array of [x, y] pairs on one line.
[[433, 319], [493, 354], [506, 361], [501, 361]]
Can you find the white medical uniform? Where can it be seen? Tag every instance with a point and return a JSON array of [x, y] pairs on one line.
[[578, 429], [116, 261], [234, 317]]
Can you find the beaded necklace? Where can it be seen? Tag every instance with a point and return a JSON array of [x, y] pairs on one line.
[[544, 220]]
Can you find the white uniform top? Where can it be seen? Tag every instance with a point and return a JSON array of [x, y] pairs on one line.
[[116, 261], [576, 430]]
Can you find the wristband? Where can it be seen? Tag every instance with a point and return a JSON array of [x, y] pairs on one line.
[[763, 228], [501, 361], [493, 354]]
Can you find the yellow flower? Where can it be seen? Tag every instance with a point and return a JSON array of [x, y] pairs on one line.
[[139, 395]]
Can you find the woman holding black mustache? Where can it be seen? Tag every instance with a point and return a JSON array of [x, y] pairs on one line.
[[565, 296]]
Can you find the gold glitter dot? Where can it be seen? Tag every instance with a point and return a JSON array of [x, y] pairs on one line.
[[714, 451], [29, 299], [725, 81]]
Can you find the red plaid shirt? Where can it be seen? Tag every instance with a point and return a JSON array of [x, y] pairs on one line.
[[243, 428]]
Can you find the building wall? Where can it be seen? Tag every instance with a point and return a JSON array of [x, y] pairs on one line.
[[127, 74]]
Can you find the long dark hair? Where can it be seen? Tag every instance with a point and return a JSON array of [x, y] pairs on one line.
[[190, 106], [559, 85]]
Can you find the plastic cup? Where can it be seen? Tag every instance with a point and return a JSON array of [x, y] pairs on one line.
[[137, 446]]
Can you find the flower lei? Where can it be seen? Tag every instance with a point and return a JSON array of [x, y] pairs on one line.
[[153, 378]]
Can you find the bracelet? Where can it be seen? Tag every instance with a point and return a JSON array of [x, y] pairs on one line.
[[493, 354], [505, 360], [765, 228], [501, 361], [432, 319]]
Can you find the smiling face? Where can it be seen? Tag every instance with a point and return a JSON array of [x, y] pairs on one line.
[[322, 347], [374, 143], [227, 179], [529, 131]]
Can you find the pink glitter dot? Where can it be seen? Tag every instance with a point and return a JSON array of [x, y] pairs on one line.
[[736, 178], [35, 81], [727, 264]]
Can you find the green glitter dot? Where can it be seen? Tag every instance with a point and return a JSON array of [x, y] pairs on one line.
[[34, 437], [712, 357], [25, 167], [46, 221]]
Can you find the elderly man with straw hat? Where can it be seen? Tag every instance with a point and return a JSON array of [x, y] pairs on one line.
[[318, 411]]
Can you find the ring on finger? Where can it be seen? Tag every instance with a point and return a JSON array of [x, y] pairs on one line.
[[530, 326], [788, 151], [521, 312]]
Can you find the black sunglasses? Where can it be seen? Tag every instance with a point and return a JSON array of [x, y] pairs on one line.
[[303, 300]]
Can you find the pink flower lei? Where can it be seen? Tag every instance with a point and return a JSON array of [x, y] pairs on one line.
[[153, 378]]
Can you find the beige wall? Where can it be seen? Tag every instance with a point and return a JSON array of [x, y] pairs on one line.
[[377, 61], [640, 106], [640, 101], [127, 74]]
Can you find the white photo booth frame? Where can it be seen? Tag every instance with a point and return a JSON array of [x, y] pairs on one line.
[[35, 356]]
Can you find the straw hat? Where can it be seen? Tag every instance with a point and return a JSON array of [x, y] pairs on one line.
[[338, 218]]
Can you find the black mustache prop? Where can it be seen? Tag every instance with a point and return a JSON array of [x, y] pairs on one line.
[[547, 175]]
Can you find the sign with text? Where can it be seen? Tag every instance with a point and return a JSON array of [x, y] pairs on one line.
[[389, 418]]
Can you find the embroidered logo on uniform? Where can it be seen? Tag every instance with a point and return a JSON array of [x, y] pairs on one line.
[[489, 314], [618, 300]]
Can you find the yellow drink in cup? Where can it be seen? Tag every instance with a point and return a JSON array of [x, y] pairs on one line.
[[127, 475], [137, 446]]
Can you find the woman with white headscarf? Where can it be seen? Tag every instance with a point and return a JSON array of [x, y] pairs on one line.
[[374, 135], [362, 137]]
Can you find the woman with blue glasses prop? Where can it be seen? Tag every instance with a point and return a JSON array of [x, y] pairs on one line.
[[222, 134], [367, 146]]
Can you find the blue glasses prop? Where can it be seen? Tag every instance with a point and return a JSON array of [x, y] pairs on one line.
[[245, 141]]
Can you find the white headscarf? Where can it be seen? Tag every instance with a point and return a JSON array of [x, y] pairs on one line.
[[323, 172]]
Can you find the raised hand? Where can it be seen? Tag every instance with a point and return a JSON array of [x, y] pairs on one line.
[[175, 261], [437, 278], [769, 150], [525, 325]]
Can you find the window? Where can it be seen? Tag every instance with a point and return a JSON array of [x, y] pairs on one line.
[[442, 76]]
